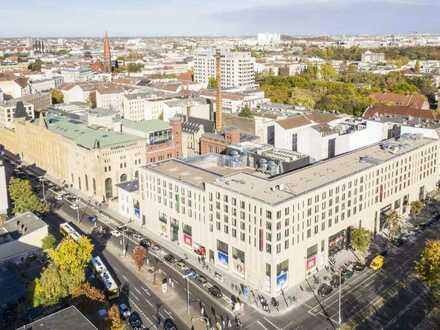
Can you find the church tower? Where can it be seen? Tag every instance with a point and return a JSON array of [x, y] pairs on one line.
[[107, 55]]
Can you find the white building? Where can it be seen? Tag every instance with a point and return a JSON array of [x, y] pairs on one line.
[[4, 202], [128, 200], [237, 69], [264, 39], [109, 97], [71, 75], [271, 233], [12, 109], [370, 57]]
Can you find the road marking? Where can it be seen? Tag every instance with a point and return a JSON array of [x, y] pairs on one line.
[[169, 314], [153, 326], [271, 323], [125, 277], [134, 296], [261, 324], [137, 290], [146, 291]]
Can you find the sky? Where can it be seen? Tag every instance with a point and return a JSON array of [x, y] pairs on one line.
[[71, 18]]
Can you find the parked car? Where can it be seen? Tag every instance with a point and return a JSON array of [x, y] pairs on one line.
[[358, 267], [182, 265], [218, 276], [124, 311], [155, 248], [347, 273], [215, 291], [202, 280], [169, 258], [334, 282], [145, 243], [135, 321], [137, 237], [168, 324], [116, 233], [377, 262], [324, 290]]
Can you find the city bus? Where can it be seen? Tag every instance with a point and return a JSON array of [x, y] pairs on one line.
[[111, 288], [68, 231]]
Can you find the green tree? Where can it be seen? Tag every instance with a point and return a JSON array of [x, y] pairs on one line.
[[49, 242], [417, 67], [246, 112], [57, 96], [328, 72], [24, 199], [36, 66], [49, 289], [415, 208], [393, 220], [302, 97], [212, 83], [135, 67], [428, 267], [360, 239]]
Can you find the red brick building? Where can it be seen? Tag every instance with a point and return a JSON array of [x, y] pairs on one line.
[[218, 142], [171, 148]]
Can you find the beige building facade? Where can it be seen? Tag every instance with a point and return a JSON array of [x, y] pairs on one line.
[[272, 233]]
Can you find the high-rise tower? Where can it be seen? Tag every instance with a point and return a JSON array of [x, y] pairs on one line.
[[107, 55]]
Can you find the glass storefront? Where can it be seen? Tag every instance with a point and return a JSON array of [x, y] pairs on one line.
[[222, 253], [282, 274], [336, 242], [238, 261]]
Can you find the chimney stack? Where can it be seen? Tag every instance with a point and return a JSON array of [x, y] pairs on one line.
[[218, 97]]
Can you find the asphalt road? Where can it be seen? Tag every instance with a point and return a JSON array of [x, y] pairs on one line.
[[394, 306]]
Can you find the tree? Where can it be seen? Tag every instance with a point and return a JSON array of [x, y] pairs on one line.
[[49, 289], [417, 67], [428, 267], [24, 199], [139, 254], [328, 72], [49, 242], [212, 83], [393, 220], [246, 112], [134, 67], [302, 97], [415, 208], [72, 258], [57, 96], [115, 318], [36, 66], [360, 239], [90, 292]]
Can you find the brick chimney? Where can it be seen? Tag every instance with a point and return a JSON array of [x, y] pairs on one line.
[[218, 97], [176, 131]]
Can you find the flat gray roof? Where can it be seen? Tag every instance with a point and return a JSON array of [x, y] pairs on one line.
[[248, 182]]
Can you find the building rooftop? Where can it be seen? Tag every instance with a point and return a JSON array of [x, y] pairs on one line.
[[65, 319], [20, 225], [146, 125], [249, 182], [90, 138]]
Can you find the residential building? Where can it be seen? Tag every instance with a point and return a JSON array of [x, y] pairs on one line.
[[371, 57], [272, 232], [233, 100], [264, 39], [128, 200], [13, 109], [76, 74], [237, 69], [193, 129], [21, 237], [13, 86], [109, 97], [399, 111]]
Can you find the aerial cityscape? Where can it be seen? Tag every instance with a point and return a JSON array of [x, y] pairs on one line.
[[208, 165]]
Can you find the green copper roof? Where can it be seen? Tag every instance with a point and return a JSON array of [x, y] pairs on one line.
[[87, 137]]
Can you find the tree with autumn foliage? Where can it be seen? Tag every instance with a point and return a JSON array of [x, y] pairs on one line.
[[115, 318], [428, 267], [139, 255], [23, 197]]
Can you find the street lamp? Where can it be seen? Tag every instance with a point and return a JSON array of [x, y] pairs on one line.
[[339, 299], [187, 291], [42, 183]]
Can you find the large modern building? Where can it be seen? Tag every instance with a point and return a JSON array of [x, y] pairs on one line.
[[272, 232], [237, 69], [12, 109]]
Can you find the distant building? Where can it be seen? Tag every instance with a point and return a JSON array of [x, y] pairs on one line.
[[218, 142], [370, 57], [13, 86], [237, 69], [4, 201], [264, 39], [21, 237], [77, 74], [13, 109], [416, 101], [128, 200], [109, 97], [399, 111]]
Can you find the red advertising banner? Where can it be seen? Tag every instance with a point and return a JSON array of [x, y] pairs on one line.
[[187, 239]]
